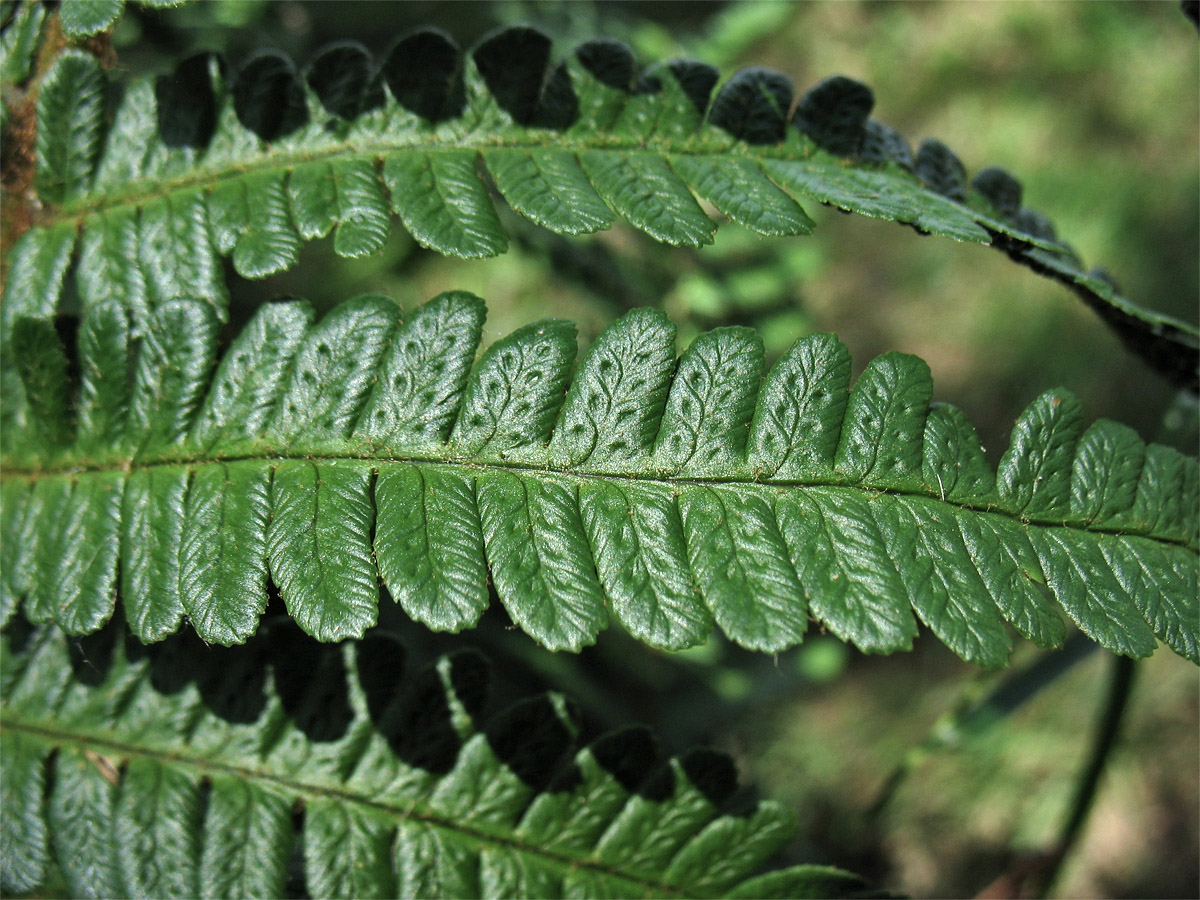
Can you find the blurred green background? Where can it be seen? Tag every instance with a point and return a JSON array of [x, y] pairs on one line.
[[1095, 107]]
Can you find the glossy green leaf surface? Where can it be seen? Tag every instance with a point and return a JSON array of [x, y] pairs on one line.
[[81, 18], [664, 494], [71, 108]]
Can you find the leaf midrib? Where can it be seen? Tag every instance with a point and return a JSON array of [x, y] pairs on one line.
[[1001, 234], [468, 467], [199, 176], [401, 812]]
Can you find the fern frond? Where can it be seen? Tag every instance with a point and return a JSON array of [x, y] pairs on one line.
[[193, 168], [19, 44], [188, 771], [667, 494], [83, 18]]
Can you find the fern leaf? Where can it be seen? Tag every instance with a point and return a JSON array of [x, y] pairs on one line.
[[19, 43], [193, 168], [669, 495], [176, 772], [39, 264], [23, 850], [44, 370], [70, 122], [81, 18], [84, 18]]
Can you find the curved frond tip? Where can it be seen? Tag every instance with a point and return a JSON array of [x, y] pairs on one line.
[[670, 495], [190, 771], [197, 164]]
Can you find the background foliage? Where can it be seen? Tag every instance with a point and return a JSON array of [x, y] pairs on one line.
[[1095, 108]]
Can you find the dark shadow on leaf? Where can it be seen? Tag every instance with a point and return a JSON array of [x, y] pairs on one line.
[[380, 660], [559, 105], [412, 714], [18, 633], [531, 739], [941, 170], [627, 754], [753, 106], [713, 773], [92, 654], [470, 678], [1001, 189], [173, 662], [341, 78], [420, 729], [659, 785], [834, 114], [310, 678], [424, 73], [513, 64], [697, 80], [882, 144], [186, 102], [609, 62], [268, 98], [233, 683]]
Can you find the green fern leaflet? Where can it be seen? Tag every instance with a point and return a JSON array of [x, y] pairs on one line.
[[194, 167], [177, 771], [666, 494], [82, 18]]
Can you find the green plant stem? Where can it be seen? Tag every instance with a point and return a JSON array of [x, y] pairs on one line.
[[1119, 688], [973, 719]]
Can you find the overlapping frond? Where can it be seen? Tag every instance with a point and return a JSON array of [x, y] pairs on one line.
[[284, 765], [666, 494], [82, 18], [196, 165]]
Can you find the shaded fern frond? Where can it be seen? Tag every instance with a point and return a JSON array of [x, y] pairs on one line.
[[666, 494], [193, 168], [188, 771]]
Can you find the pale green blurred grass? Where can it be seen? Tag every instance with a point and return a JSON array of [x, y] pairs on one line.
[[958, 819]]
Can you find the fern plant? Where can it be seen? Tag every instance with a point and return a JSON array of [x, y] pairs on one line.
[[337, 455], [169, 729], [190, 791]]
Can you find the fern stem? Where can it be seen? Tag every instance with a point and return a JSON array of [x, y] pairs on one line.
[[1108, 728], [973, 719]]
